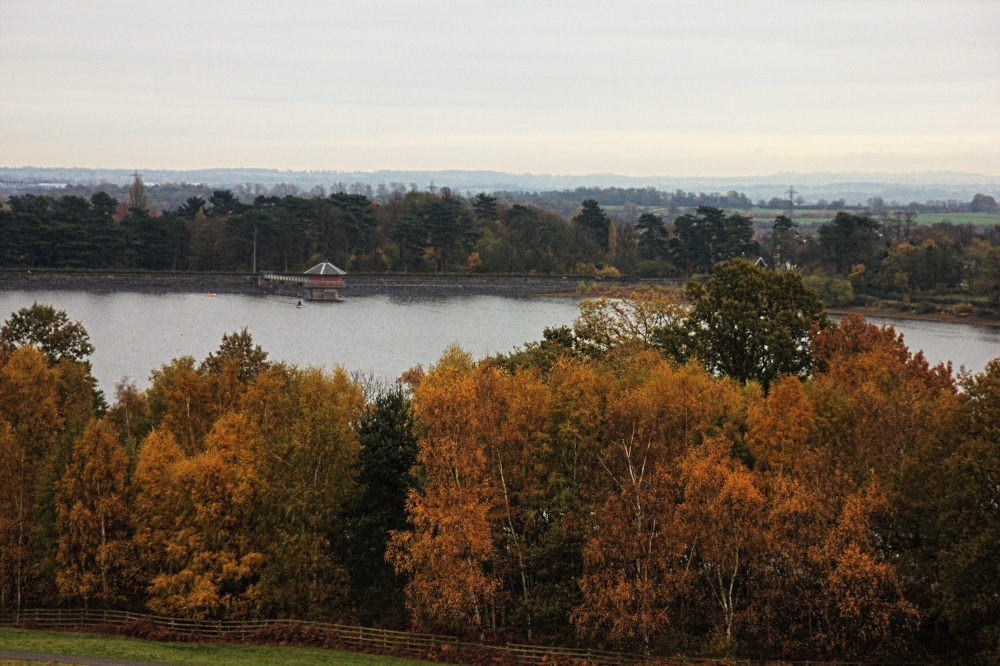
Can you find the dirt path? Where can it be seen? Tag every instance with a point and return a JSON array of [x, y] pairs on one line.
[[47, 658]]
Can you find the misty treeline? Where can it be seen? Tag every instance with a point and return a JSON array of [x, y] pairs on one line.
[[619, 484], [855, 258]]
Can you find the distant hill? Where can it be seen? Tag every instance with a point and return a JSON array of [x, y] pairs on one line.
[[855, 188]]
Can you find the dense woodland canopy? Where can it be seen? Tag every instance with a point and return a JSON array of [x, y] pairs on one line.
[[859, 257], [629, 482]]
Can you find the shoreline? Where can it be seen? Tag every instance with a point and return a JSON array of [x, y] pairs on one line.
[[371, 284], [359, 284], [938, 317]]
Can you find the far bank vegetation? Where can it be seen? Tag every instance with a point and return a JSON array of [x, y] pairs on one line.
[[877, 255]]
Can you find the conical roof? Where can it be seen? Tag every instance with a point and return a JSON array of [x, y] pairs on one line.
[[325, 268]]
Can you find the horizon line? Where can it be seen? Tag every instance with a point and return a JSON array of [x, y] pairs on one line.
[[925, 172]]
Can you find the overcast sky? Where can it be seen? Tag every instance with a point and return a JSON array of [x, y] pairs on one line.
[[672, 88]]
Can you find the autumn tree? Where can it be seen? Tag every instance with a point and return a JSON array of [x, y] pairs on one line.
[[641, 319], [445, 555], [137, 200], [723, 518], [182, 400], [129, 416], [831, 583], [512, 429], [214, 553], [780, 429], [94, 559], [954, 508], [879, 408], [864, 613], [15, 484], [30, 425], [638, 559], [307, 456], [160, 504], [628, 583]]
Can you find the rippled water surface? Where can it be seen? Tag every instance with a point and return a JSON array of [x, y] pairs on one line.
[[135, 333]]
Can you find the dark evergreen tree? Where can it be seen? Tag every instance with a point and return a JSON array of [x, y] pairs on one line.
[[224, 202], [652, 237], [783, 237], [485, 207], [410, 235], [850, 240], [709, 236], [191, 207], [595, 222], [388, 453]]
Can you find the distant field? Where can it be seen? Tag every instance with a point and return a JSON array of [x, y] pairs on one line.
[[821, 215], [814, 215], [195, 654], [959, 218]]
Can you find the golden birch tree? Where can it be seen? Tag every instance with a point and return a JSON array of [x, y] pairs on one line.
[[29, 427], [94, 560]]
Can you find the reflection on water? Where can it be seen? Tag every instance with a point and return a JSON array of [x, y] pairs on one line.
[[382, 335]]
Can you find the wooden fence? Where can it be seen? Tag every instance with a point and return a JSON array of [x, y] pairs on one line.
[[360, 639]]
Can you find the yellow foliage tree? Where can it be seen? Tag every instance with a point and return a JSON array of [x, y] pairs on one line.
[[310, 448], [94, 559], [214, 552], [29, 426]]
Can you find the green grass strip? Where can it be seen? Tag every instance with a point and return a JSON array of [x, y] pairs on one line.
[[196, 654]]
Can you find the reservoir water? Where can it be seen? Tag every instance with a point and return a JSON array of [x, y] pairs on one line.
[[380, 335]]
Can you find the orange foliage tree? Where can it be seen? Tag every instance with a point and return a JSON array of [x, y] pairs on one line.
[[876, 405], [447, 552], [512, 428], [723, 517], [637, 561]]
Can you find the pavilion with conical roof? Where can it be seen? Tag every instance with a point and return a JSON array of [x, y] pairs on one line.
[[326, 269], [322, 282]]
